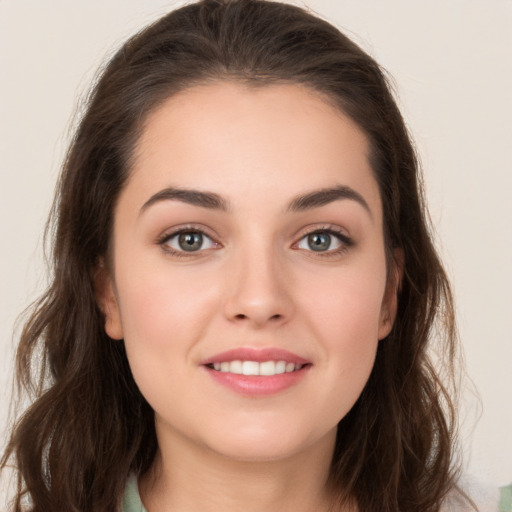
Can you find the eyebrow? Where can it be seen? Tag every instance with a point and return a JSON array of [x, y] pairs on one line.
[[213, 201], [208, 200], [325, 196]]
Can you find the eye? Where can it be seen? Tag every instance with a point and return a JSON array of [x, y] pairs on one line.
[[328, 241], [188, 240]]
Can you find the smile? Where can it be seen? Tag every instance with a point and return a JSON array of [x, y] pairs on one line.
[[257, 372], [266, 368]]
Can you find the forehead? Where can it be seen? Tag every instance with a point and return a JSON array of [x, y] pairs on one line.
[[234, 138]]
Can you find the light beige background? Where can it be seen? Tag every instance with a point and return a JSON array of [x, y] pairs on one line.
[[452, 63]]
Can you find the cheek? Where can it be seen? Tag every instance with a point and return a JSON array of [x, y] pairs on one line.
[[158, 305], [164, 314], [346, 303], [348, 329], [344, 313]]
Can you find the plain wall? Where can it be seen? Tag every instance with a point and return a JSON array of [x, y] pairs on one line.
[[451, 62]]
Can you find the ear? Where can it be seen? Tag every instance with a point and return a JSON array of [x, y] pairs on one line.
[[104, 291], [390, 299]]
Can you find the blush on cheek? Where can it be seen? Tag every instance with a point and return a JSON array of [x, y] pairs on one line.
[[167, 308], [348, 305]]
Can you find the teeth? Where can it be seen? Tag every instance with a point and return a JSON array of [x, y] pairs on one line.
[[280, 366], [235, 367], [250, 368], [267, 368]]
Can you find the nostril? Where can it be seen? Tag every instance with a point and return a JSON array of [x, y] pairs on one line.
[[275, 317]]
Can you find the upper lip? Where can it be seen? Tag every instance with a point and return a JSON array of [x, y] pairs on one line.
[[259, 355]]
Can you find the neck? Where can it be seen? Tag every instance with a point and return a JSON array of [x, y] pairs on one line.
[[207, 481]]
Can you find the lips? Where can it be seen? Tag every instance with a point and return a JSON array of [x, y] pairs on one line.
[[256, 372], [258, 355]]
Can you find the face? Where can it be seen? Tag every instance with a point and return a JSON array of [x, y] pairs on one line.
[[249, 275]]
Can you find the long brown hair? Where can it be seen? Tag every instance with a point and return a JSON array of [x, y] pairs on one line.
[[88, 426]]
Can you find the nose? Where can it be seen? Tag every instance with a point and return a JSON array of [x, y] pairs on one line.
[[259, 292]]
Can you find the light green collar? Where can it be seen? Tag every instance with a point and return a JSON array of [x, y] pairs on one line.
[[506, 499], [131, 497]]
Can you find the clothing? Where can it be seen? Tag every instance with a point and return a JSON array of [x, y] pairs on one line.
[[506, 499], [132, 502], [131, 498]]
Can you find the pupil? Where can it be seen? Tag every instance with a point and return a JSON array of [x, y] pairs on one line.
[[190, 241], [319, 241]]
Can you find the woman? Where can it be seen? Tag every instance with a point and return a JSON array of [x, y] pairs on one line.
[[244, 284]]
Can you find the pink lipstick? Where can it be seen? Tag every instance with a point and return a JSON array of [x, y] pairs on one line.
[[257, 372]]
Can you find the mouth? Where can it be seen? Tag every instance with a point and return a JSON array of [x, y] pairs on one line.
[[257, 372]]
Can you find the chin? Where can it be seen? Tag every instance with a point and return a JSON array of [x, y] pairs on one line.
[[268, 445]]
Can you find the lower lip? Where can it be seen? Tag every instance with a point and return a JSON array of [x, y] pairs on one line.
[[255, 385]]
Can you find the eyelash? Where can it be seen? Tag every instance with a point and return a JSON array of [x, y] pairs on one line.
[[345, 241], [166, 237]]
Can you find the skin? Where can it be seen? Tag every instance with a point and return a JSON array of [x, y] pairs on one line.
[[255, 283]]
